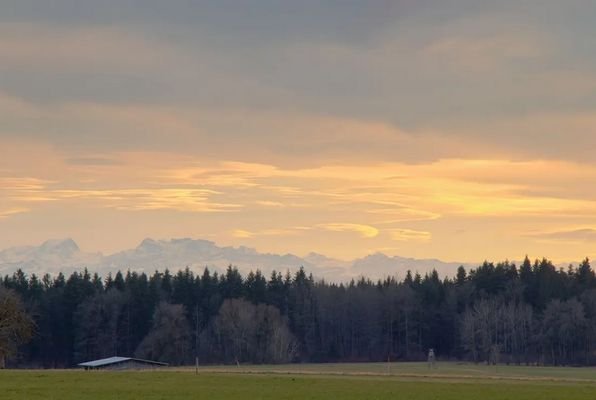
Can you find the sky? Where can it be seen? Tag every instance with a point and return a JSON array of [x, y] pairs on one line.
[[458, 130]]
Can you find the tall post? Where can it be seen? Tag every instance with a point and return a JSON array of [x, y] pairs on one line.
[[197, 340], [389, 365]]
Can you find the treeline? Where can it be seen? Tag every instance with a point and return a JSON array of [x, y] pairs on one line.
[[533, 313]]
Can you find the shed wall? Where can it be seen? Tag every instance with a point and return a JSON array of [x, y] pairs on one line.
[[131, 364]]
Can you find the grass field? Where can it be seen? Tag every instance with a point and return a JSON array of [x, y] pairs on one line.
[[420, 370], [330, 381]]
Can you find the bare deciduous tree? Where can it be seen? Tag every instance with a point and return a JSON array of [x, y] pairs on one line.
[[243, 331], [16, 327], [170, 337]]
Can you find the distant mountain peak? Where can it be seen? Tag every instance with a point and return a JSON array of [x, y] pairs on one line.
[[65, 256], [148, 244], [63, 245], [314, 254]]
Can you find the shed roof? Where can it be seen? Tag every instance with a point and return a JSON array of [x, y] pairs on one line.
[[117, 360]]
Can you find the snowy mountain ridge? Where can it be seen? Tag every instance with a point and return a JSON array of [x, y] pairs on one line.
[[65, 256]]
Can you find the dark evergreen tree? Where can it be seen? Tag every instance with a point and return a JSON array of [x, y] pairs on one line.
[[535, 314]]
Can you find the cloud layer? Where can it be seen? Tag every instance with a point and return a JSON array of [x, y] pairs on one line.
[[420, 128]]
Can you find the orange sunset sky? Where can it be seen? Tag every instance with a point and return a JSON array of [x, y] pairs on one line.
[[458, 130]]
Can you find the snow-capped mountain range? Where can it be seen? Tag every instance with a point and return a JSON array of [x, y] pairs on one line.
[[65, 256]]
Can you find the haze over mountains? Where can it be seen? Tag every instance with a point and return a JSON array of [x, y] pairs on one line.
[[65, 256]]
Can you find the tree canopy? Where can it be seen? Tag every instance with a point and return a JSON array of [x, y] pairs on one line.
[[532, 313]]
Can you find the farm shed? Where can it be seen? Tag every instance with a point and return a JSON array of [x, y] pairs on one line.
[[122, 363]]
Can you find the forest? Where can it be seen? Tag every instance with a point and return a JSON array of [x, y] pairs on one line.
[[531, 314]]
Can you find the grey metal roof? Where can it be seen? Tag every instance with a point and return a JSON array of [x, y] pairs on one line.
[[116, 360]]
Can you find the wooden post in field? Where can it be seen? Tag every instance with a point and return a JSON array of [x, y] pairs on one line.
[[431, 359], [197, 340], [389, 365]]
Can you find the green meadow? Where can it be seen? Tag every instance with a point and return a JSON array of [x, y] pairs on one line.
[[329, 381]]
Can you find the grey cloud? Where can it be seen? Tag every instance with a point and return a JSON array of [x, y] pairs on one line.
[[55, 87], [357, 60], [241, 21], [580, 235], [93, 161]]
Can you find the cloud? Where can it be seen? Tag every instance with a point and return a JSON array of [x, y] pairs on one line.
[[554, 135], [365, 231], [268, 203], [216, 90], [577, 235], [384, 121], [410, 235], [423, 192], [486, 52], [23, 191], [93, 161], [242, 234], [180, 199], [395, 213], [5, 213], [22, 184], [105, 49], [319, 207], [291, 231]]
